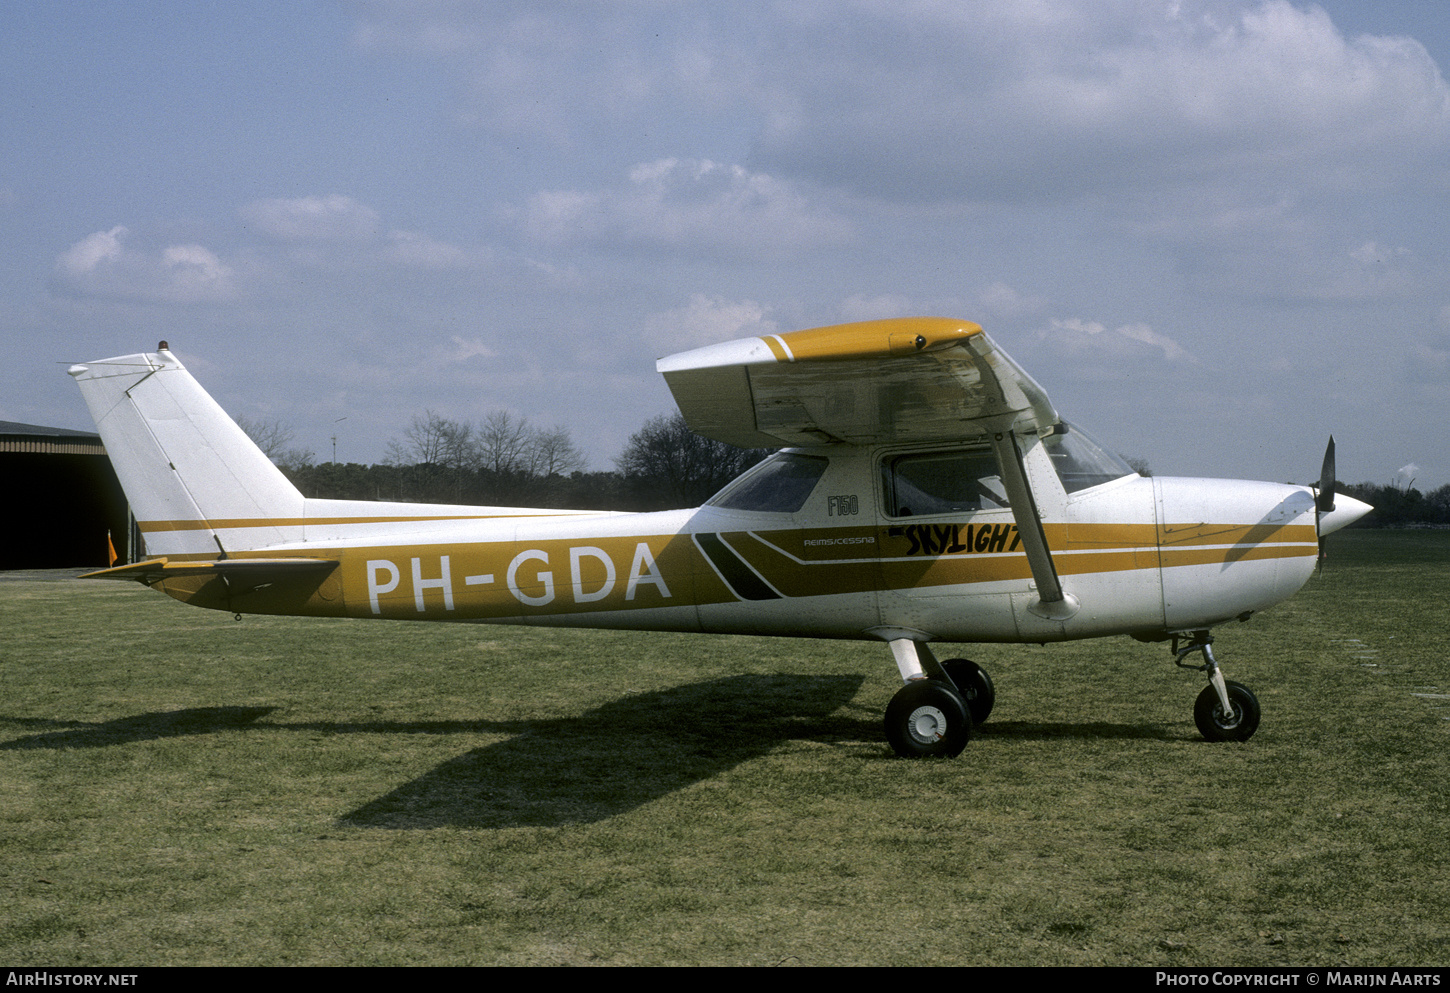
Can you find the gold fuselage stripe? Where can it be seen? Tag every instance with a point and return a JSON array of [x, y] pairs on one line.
[[229, 524]]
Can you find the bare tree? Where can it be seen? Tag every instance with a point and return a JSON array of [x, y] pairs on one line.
[[504, 443], [273, 438], [504, 460], [679, 467], [555, 454], [438, 454], [437, 441]]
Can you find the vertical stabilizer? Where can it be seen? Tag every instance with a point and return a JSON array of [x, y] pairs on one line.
[[197, 484]]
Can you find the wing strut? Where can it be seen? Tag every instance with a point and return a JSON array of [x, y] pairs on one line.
[[1052, 602], [1029, 405]]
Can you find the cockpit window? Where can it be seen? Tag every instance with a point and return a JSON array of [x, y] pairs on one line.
[[943, 482], [781, 484], [1080, 461]]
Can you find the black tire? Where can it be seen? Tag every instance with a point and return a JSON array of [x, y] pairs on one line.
[[928, 719], [974, 685], [1214, 725]]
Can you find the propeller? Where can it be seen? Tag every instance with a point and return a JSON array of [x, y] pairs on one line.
[[1324, 501], [1324, 496]]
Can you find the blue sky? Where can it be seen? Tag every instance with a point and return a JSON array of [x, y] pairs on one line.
[[1213, 230]]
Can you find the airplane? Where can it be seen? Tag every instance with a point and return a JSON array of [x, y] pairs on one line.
[[925, 490]]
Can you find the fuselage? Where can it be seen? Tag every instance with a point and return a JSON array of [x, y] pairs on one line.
[[846, 542]]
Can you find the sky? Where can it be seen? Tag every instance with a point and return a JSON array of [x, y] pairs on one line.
[[1215, 231]]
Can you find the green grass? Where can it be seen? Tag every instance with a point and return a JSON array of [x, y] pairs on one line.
[[180, 788]]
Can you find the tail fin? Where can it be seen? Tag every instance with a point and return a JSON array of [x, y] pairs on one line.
[[197, 484]]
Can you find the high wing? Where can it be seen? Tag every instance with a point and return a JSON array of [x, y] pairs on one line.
[[914, 379], [901, 380]]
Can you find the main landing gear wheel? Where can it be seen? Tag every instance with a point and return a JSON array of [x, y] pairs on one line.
[[975, 686], [1215, 725], [928, 719]]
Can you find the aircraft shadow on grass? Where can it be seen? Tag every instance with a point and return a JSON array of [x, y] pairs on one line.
[[138, 727], [602, 763], [580, 769], [1048, 731], [637, 749], [619, 756]]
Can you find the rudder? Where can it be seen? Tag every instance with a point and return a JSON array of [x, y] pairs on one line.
[[197, 484]]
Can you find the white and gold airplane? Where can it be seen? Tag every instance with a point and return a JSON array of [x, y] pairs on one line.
[[927, 490]]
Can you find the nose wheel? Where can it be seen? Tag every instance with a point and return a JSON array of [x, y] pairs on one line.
[[1224, 711], [1236, 723]]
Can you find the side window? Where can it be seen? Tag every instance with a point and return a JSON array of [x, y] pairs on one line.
[[942, 482], [779, 485]]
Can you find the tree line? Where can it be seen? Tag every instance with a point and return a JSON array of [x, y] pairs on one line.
[[505, 461], [1401, 506]]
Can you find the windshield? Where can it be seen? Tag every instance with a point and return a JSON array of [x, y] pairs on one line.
[[780, 484], [1080, 461]]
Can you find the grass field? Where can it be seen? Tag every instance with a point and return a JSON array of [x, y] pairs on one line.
[[180, 788]]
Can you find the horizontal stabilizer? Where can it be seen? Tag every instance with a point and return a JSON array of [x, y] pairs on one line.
[[254, 570]]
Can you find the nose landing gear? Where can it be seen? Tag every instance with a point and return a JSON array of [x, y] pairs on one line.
[[1224, 711]]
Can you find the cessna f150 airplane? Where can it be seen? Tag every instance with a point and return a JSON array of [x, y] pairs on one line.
[[927, 490]]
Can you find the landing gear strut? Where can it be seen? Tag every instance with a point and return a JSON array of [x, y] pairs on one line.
[[1224, 711]]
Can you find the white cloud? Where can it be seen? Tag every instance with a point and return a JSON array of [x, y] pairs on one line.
[[563, 73], [691, 204], [195, 272], [313, 218], [339, 234], [1371, 253], [1093, 340], [1172, 351], [88, 254], [706, 320], [102, 265], [1001, 300], [465, 349], [415, 249], [863, 308], [927, 101]]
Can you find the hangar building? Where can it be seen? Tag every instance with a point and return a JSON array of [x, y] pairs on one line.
[[60, 498]]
